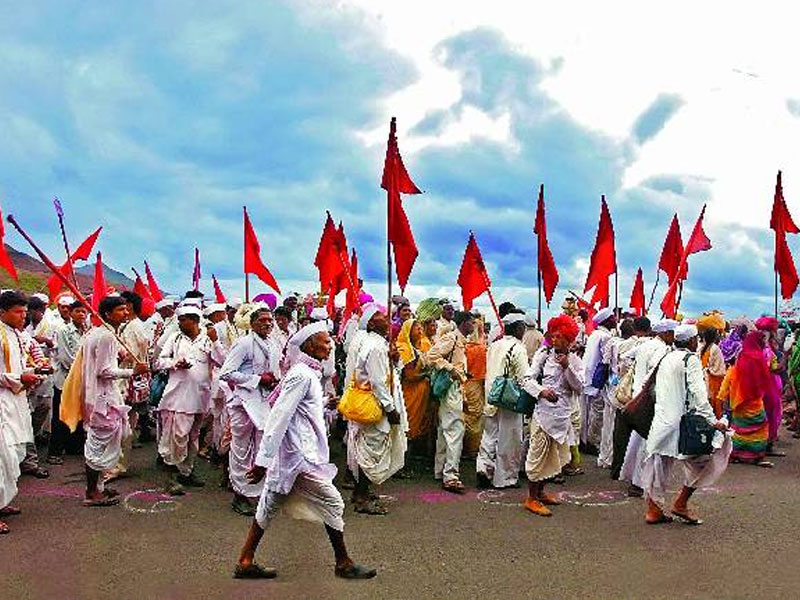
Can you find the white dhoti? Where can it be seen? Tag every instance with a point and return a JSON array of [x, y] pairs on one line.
[[245, 439], [606, 448], [500, 454], [377, 452], [180, 439], [694, 472], [15, 420], [9, 472], [634, 459], [450, 438], [104, 435], [546, 457], [311, 499]]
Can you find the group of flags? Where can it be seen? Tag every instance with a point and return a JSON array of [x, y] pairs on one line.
[[338, 267]]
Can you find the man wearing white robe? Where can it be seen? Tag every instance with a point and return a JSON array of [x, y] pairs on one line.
[[500, 453], [646, 358], [681, 387], [376, 451], [252, 367], [190, 357], [294, 457], [594, 399], [104, 410], [15, 416]]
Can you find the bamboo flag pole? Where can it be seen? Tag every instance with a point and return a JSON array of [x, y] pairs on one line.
[[71, 286], [60, 213], [655, 287]]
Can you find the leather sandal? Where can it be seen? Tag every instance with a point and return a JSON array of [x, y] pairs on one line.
[[354, 571], [254, 571]]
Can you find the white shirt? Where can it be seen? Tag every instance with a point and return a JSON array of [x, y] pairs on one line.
[[496, 362], [592, 357], [189, 390], [555, 418], [647, 356], [101, 371]]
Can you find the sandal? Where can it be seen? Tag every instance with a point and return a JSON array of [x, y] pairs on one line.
[[776, 453], [9, 511], [55, 460], [764, 464], [658, 520], [101, 502], [4, 529], [38, 472], [354, 571], [254, 571], [686, 518], [370, 507], [571, 471], [454, 487]]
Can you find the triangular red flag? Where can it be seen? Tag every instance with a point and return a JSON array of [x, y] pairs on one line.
[[351, 302], [5, 259], [604, 255], [395, 181], [252, 256], [590, 310], [698, 242], [781, 219], [84, 251], [784, 265], [547, 266], [155, 291], [327, 259], [220, 297], [472, 278], [672, 253], [637, 297], [98, 286], [140, 288]]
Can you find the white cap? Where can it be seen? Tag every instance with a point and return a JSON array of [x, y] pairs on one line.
[[306, 332], [235, 303], [164, 303], [531, 320], [66, 300], [212, 308], [664, 326], [319, 314], [603, 315], [41, 297], [188, 309], [684, 333], [192, 302], [512, 318], [367, 312]]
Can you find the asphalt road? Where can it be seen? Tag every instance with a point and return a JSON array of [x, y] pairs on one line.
[[431, 545]]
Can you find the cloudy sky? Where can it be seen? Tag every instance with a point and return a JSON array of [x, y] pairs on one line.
[[160, 120]]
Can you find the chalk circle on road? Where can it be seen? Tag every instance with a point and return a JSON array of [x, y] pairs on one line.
[[151, 501], [589, 498], [496, 498]]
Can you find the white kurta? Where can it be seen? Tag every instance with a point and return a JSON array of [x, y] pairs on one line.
[[500, 453], [15, 415], [378, 449], [104, 411], [594, 400], [189, 390]]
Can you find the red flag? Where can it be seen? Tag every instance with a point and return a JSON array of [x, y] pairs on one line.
[[591, 311], [698, 242], [98, 287], [396, 181], [546, 266], [140, 288], [83, 252], [5, 259], [343, 279], [472, 278], [220, 297], [781, 220], [637, 297], [604, 256], [784, 265], [351, 302], [327, 259], [155, 291], [672, 253], [252, 256]]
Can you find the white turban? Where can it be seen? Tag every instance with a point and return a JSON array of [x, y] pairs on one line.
[[665, 326], [512, 318], [164, 303], [66, 300], [188, 309], [319, 314], [368, 311], [684, 333], [603, 315], [306, 332], [213, 308]]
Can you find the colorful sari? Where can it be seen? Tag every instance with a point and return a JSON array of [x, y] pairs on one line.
[[744, 388], [415, 382]]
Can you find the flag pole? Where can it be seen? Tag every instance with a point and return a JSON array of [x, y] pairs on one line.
[[71, 286], [616, 292], [539, 307], [680, 296], [60, 213], [776, 293], [655, 287], [246, 274]]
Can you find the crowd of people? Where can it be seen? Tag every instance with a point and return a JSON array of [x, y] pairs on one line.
[[254, 388]]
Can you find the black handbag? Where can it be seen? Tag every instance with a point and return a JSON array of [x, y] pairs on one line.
[[696, 433]]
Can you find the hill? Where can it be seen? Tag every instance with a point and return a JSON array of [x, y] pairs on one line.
[[33, 274]]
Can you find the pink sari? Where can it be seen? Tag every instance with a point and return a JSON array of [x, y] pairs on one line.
[[773, 397]]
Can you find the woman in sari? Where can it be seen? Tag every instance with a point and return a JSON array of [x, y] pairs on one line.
[[413, 345], [713, 367], [744, 389]]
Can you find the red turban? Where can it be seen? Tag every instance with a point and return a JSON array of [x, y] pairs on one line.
[[767, 324], [565, 325]]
